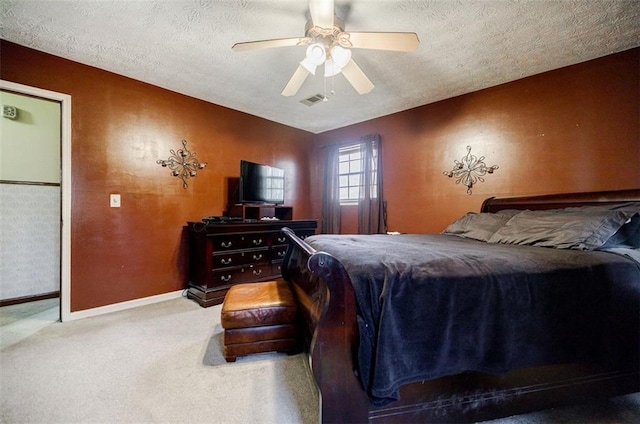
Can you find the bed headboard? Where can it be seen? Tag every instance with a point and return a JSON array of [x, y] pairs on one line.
[[557, 201]]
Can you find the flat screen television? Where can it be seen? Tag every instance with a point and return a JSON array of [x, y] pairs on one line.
[[261, 184]]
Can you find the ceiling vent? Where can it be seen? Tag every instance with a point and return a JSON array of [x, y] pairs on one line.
[[312, 100], [10, 112]]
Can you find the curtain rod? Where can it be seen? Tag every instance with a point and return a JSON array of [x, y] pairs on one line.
[[346, 143], [349, 143]]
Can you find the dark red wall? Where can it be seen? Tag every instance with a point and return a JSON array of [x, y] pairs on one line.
[[572, 129], [120, 127]]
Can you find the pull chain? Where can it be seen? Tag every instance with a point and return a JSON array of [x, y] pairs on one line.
[[325, 99]]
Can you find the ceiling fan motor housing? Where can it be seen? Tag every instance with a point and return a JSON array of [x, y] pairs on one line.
[[327, 36]]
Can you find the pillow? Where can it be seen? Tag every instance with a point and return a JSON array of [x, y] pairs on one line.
[[563, 229], [477, 226], [627, 236]]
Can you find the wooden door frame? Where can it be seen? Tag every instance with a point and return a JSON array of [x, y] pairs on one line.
[[65, 184]]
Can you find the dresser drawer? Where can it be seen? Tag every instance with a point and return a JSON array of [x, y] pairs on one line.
[[221, 277], [238, 258], [276, 268], [257, 272], [278, 239], [253, 241], [227, 276], [278, 252], [226, 242]]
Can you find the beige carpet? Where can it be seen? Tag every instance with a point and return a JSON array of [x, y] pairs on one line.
[[160, 363], [163, 364]]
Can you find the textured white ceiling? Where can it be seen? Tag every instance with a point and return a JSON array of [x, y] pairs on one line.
[[185, 46]]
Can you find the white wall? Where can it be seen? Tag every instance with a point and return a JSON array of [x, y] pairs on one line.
[[30, 251], [29, 197]]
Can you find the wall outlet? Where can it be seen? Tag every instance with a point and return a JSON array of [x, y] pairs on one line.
[[114, 200]]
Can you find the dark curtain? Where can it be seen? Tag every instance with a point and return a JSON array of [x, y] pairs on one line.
[[331, 194], [371, 207]]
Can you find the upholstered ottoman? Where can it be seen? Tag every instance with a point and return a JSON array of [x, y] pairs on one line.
[[259, 317]]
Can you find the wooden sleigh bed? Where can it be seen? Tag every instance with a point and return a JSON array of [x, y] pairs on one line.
[[328, 302]]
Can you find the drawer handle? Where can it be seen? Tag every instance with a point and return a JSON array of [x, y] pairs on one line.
[[226, 261], [257, 257], [282, 239], [257, 271], [225, 279], [225, 245], [257, 242], [281, 254]]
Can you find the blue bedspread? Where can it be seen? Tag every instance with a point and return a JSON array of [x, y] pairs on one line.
[[437, 305]]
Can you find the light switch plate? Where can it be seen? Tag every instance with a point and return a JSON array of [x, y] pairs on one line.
[[114, 200]]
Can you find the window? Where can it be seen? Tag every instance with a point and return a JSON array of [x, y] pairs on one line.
[[351, 174], [274, 185]]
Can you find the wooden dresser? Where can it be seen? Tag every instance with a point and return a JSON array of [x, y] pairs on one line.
[[227, 253]]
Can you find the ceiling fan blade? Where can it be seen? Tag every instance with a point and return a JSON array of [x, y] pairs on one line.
[[295, 82], [268, 44], [398, 41], [357, 78], [321, 13]]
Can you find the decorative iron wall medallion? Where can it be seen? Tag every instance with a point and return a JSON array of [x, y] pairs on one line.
[[469, 170], [183, 164]]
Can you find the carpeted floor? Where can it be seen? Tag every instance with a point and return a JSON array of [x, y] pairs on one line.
[[160, 363], [163, 363]]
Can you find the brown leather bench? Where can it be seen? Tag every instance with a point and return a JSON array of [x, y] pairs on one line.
[[259, 317]]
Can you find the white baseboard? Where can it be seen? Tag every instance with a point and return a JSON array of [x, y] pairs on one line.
[[101, 310]]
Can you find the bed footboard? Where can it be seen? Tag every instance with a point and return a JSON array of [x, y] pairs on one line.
[[327, 301]]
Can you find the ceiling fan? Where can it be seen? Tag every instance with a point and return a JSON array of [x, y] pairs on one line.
[[329, 44]]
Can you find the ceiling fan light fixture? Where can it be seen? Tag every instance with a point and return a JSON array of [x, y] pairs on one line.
[[331, 68], [315, 57], [338, 59], [316, 53], [340, 56]]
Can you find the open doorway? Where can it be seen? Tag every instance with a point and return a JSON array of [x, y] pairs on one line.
[[35, 188]]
